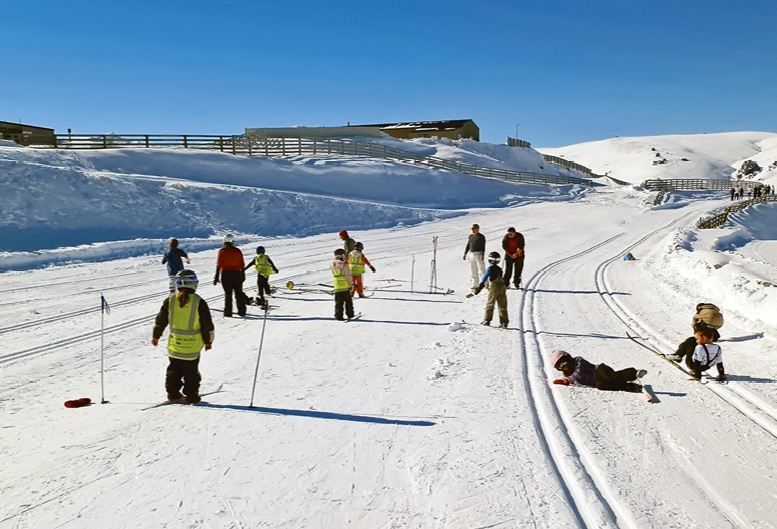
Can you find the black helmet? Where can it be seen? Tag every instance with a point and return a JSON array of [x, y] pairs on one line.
[[359, 246], [260, 249], [494, 258]]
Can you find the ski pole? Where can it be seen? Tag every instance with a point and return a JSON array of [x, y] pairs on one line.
[[259, 356], [104, 307]]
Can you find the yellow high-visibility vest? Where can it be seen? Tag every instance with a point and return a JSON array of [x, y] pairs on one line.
[[262, 265], [185, 342]]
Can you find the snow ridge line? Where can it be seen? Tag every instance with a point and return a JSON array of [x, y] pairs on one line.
[[583, 483]]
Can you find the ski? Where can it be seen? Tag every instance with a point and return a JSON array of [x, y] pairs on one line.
[[662, 355], [355, 317], [182, 401]]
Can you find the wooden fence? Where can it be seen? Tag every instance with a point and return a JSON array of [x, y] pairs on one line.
[[720, 219], [277, 147], [697, 184]]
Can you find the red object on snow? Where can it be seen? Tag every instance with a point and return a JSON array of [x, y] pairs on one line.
[[78, 403], [562, 381]]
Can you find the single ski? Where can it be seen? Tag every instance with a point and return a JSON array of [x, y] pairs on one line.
[[355, 317], [662, 355], [182, 401]]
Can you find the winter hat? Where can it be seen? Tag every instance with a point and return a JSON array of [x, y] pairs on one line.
[[339, 251], [511, 229], [260, 249], [558, 355], [343, 233]]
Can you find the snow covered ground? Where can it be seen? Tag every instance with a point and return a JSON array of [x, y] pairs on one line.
[[414, 415]]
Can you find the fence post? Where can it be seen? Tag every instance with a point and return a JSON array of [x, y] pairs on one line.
[[105, 142], [185, 142], [147, 141]]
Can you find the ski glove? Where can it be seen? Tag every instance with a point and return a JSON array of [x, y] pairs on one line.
[[373, 269], [562, 381], [478, 289], [216, 279]]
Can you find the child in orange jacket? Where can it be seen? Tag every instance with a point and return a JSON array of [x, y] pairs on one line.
[[356, 262]]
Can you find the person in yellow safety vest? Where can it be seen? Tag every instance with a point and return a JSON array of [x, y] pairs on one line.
[[264, 269], [342, 285], [191, 328], [356, 262]]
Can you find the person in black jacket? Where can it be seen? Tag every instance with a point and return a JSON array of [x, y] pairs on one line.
[[476, 248], [191, 329]]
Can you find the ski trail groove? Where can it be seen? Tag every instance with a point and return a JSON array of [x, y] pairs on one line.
[[583, 483]]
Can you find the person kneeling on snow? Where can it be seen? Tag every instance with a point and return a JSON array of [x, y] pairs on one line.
[[700, 353], [578, 370], [710, 315]]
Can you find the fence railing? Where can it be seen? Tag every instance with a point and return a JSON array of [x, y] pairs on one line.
[[720, 219], [223, 143], [697, 184], [278, 147]]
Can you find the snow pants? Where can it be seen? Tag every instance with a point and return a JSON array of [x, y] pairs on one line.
[[497, 294], [343, 300], [477, 267], [358, 286], [183, 374], [513, 265], [232, 282], [263, 286], [609, 379]]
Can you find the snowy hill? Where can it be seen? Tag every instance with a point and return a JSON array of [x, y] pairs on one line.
[[706, 156], [414, 415]]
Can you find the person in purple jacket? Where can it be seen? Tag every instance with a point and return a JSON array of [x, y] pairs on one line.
[[578, 370]]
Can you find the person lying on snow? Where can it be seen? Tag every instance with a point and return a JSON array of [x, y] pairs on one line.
[[578, 370]]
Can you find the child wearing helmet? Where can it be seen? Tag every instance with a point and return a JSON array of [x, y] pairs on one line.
[[264, 269], [578, 370], [191, 329], [342, 285], [497, 292], [229, 271], [356, 262]]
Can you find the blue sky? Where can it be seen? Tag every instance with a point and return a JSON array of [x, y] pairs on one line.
[[558, 72]]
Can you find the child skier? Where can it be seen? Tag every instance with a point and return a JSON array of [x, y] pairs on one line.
[[700, 353], [342, 284], [174, 257], [578, 370], [264, 269], [356, 262], [191, 328], [496, 292]]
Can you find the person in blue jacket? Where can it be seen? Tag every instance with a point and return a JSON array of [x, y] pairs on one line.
[[174, 257]]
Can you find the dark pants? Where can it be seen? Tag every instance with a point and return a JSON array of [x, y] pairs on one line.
[[232, 282], [609, 379], [183, 374], [511, 263], [263, 285], [343, 299]]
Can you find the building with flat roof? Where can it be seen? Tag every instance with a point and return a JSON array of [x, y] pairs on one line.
[[27, 134]]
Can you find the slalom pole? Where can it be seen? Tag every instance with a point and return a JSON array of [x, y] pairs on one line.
[[259, 356], [412, 275], [104, 307]]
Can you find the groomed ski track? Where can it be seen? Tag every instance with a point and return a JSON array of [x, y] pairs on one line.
[[599, 498], [583, 476]]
